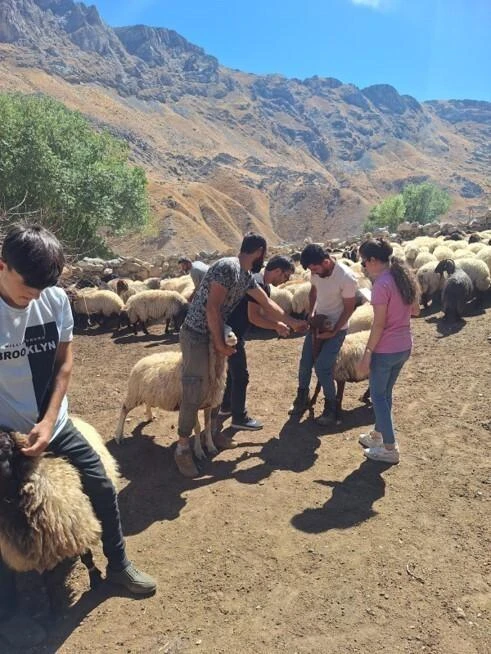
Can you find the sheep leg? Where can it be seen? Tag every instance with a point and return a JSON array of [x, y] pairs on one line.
[[338, 414], [210, 445], [148, 412], [120, 428], [144, 328], [198, 448], [167, 326], [365, 398], [95, 576]]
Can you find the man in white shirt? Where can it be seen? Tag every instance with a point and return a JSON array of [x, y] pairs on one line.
[[332, 295], [36, 361]]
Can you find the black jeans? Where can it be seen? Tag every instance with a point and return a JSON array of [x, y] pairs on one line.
[[71, 445], [237, 381]]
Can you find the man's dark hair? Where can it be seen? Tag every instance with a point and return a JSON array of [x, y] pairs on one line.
[[34, 253], [184, 260], [252, 242], [281, 262], [313, 255]]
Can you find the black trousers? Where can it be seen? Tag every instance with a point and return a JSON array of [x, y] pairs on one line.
[[237, 381], [71, 445]]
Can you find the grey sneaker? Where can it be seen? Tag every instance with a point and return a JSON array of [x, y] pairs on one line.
[[382, 454], [137, 582], [301, 403], [372, 439]]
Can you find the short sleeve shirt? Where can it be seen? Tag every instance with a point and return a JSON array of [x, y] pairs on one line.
[[228, 273], [396, 336], [197, 272], [239, 318], [29, 341], [331, 291]]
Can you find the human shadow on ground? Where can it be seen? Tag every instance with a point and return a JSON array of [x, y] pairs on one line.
[[351, 501]]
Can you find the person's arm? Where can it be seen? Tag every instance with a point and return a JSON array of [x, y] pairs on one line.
[[379, 318], [312, 300], [216, 297], [415, 308], [348, 308], [256, 318], [275, 312], [40, 435]]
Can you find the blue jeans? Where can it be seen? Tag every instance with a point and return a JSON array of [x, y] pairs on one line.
[[324, 365], [384, 370]]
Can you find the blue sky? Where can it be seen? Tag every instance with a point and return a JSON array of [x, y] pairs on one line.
[[431, 49]]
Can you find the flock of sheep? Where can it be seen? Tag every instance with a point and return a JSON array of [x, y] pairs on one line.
[[37, 524]]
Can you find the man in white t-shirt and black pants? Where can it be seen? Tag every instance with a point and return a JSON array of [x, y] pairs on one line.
[[332, 295], [36, 360]]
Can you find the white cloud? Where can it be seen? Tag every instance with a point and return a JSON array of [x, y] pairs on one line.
[[373, 4]]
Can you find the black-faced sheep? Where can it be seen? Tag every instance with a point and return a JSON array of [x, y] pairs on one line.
[[457, 290], [154, 305], [45, 517], [155, 381]]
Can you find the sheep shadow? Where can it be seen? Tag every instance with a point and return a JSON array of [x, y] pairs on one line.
[[446, 328], [351, 502], [156, 490]]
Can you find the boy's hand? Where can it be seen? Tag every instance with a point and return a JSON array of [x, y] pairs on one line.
[[38, 439]]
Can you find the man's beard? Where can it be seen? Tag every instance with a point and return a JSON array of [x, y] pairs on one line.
[[257, 265]]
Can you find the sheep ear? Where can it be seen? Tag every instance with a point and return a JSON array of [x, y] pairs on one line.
[[20, 440]]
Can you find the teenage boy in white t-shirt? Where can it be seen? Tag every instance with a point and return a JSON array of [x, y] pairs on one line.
[[333, 295], [35, 368]]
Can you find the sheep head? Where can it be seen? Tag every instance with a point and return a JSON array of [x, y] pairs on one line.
[[121, 286], [229, 336], [320, 323], [445, 265], [13, 464]]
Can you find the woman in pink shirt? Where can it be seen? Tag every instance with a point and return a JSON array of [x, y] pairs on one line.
[[395, 298]]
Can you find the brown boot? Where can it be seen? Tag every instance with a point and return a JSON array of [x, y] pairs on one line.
[[185, 463]]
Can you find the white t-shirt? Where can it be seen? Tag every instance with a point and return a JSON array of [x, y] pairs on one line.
[[331, 291], [28, 342]]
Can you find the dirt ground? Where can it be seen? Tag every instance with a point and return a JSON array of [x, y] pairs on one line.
[[293, 542]]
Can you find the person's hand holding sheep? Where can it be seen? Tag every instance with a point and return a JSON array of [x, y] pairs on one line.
[[38, 438], [282, 330]]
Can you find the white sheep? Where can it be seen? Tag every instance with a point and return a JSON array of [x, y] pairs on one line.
[[300, 299], [477, 271], [45, 517], [361, 319], [346, 369], [156, 381], [429, 281], [484, 254], [283, 298], [94, 302], [176, 283], [154, 305], [443, 252], [422, 258]]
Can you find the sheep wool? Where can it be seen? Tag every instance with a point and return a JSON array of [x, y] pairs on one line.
[[50, 518]]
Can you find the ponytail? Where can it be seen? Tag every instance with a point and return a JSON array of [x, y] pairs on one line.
[[405, 280]]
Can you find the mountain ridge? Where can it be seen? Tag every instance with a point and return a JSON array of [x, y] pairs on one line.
[[276, 148]]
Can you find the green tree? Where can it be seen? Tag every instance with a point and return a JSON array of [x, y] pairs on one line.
[[425, 202], [389, 213], [53, 162]]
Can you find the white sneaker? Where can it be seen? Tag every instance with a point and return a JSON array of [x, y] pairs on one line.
[[382, 454], [372, 439]]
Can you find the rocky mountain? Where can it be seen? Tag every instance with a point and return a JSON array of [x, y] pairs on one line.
[[228, 151]]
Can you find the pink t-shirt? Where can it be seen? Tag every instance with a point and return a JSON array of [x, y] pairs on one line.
[[396, 336]]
